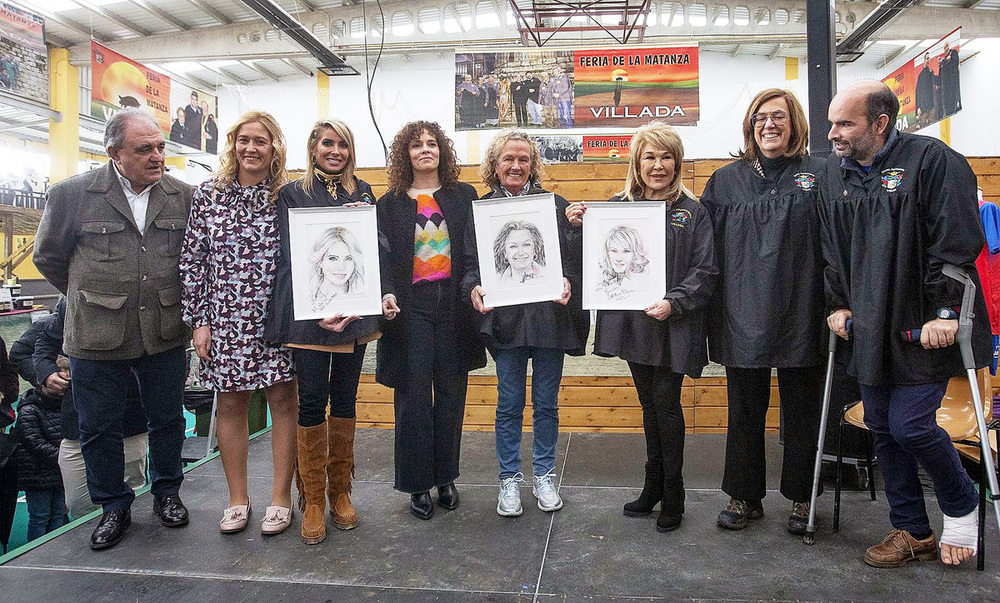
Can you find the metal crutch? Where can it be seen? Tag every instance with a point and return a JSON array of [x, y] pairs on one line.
[[964, 338], [810, 536]]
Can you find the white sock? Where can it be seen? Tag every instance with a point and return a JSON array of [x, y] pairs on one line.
[[962, 532]]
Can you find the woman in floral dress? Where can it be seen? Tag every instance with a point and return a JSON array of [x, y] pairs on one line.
[[227, 265]]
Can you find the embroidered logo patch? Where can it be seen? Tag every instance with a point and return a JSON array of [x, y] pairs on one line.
[[805, 181], [680, 218], [366, 198], [892, 178]]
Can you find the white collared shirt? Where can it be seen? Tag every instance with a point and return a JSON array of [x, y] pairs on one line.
[[138, 202]]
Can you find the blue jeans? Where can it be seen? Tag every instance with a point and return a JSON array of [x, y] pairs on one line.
[[46, 511], [512, 379], [99, 388], [903, 421], [565, 109], [535, 111]]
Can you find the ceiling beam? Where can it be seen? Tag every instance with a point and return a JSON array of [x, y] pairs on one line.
[[295, 65], [974, 3], [259, 69], [161, 14], [120, 21], [208, 10], [223, 73], [777, 49]]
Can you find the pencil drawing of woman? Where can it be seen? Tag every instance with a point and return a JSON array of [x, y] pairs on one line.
[[624, 257], [518, 252], [336, 267]]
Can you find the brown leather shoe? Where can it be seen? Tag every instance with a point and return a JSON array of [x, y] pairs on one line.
[[310, 481], [899, 547], [339, 469]]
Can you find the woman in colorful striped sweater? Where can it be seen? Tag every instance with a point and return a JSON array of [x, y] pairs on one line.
[[430, 340]]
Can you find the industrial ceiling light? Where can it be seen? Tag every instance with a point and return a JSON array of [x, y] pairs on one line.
[[330, 63]]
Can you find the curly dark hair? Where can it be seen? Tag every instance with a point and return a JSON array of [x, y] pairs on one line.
[[400, 168]]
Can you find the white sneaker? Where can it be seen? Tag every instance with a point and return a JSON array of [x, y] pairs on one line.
[[509, 499], [545, 491]]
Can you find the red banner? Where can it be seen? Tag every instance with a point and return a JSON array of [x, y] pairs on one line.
[[928, 85], [606, 148], [118, 82]]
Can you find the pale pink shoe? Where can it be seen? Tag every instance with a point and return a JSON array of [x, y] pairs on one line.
[[234, 519], [276, 520]]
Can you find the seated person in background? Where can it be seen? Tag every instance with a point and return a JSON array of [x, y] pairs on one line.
[[43, 343]]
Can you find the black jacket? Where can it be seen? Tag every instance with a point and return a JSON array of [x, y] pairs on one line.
[[22, 349], [39, 423], [768, 308], [281, 326], [397, 219], [677, 343], [886, 236], [541, 324]]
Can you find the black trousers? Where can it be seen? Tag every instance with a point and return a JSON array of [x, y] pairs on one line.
[[430, 407], [801, 392], [326, 377], [659, 391], [521, 113]]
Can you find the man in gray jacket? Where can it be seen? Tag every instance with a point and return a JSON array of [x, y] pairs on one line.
[[109, 240]]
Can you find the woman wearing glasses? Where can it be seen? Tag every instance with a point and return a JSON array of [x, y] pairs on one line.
[[769, 307]]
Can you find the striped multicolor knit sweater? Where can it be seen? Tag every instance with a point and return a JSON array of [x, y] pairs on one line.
[[431, 243]]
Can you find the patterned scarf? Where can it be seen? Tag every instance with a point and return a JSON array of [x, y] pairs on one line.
[[330, 181]]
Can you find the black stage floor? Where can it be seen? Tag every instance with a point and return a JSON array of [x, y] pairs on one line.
[[587, 551]]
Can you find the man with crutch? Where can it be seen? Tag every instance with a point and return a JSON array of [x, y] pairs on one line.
[[897, 208]]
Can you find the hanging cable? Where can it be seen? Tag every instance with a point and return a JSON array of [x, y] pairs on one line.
[[370, 78]]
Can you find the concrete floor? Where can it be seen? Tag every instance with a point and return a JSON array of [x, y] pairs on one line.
[[587, 551]]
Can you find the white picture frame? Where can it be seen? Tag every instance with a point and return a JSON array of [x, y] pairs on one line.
[[527, 228], [333, 238], [624, 255]]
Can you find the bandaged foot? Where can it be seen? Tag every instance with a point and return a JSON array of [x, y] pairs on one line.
[[959, 538]]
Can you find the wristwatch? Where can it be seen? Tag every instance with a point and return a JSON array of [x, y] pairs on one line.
[[947, 314]]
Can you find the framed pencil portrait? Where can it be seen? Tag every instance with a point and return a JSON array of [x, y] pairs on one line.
[[519, 257], [624, 255], [334, 257]]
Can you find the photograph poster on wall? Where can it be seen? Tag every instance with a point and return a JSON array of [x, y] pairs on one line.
[[334, 257], [624, 255], [519, 256]]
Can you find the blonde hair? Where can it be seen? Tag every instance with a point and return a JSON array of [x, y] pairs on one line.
[[229, 165], [487, 169], [344, 132], [798, 123], [659, 135]]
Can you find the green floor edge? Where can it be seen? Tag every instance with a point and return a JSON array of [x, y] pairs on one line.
[[14, 554]]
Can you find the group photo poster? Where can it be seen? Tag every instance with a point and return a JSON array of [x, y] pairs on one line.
[[559, 149], [520, 261], [335, 266], [624, 255], [927, 85], [521, 88], [563, 89], [187, 116], [24, 59]]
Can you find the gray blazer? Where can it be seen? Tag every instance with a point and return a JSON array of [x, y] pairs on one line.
[[123, 289]]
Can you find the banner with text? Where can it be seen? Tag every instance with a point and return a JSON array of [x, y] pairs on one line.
[[565, 89], [187, 116], [928, 86], [606, 148], [24, 59]]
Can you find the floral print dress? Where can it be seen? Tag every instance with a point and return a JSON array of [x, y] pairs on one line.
[[227, 266]]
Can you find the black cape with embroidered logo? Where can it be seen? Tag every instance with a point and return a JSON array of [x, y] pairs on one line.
[[886, 237], [767, 310], [677, 343]]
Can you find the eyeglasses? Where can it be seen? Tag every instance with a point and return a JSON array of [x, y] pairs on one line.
[[778, 118]]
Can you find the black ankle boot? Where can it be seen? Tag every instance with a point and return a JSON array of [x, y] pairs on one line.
[[667, 522], [652, 491]]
